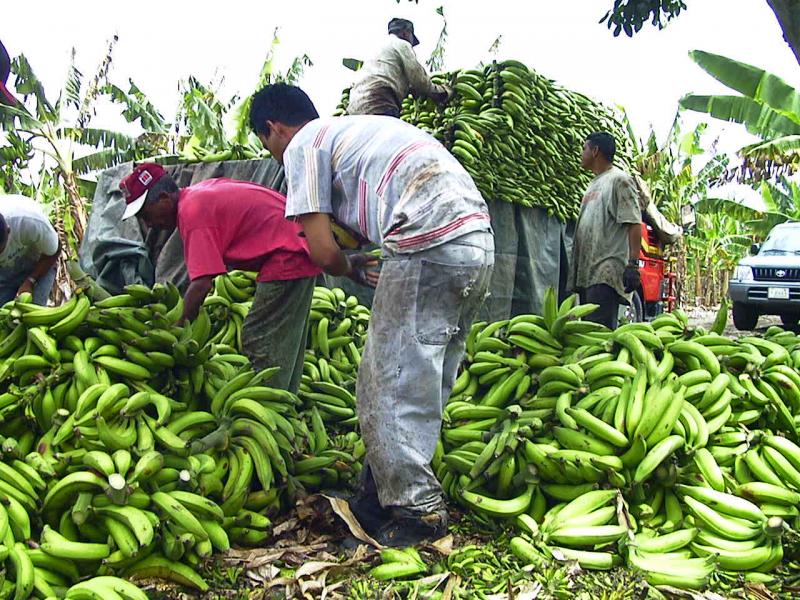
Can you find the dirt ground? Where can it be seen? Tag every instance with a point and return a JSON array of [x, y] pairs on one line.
[[704, 317]]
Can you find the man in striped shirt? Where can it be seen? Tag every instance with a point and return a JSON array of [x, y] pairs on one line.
[[394, 185]]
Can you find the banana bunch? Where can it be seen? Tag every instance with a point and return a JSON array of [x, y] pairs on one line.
[[398, 563], [123, 511], [485, 569], [732, 529], [328, 462], [766, 473], [585, 530], [516, 132], [337, 333], [227, 307]]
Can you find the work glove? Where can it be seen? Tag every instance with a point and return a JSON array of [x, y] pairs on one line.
[[443, 96], [362, 269], [631, 279]]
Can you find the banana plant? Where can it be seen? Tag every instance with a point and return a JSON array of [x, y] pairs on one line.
[[16, 153], [714, 248], [781, 204], [671, 171], [242, 135], [765, 104], [57, 133]]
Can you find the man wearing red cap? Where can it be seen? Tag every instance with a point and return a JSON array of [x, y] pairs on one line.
[[227, 224]]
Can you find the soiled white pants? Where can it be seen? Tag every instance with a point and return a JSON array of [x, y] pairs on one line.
[[424, 306]]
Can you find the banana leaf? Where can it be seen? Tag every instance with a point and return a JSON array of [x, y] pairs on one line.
[[752, 82], [92, 136], [779, 148], [759, 119], [137, 106], [101, 160], [731, 208]]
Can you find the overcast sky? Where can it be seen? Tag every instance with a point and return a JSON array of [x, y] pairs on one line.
[[163, 42]]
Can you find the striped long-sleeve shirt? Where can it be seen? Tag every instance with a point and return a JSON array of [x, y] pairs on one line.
[[384, 179]]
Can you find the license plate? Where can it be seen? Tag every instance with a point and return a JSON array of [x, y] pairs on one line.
[[778, 293]]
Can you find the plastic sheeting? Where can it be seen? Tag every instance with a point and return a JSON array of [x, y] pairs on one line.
[[530, 246]]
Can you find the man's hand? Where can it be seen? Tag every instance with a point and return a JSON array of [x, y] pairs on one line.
[[631, 279], [26, 286], [363, 269], [443, 96]]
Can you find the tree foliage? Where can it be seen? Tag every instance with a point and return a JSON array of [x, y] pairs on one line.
[[630, 16], [766, 105]]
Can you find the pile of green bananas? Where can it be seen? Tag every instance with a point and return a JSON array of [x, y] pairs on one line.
[[671, 449], [228, 305], [131, 445], [337, 331], [517, 133]]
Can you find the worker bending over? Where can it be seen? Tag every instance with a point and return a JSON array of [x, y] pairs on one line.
[[224, 225], [29, 249], [397, 187]]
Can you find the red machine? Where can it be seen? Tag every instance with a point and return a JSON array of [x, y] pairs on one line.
[[657, 293]]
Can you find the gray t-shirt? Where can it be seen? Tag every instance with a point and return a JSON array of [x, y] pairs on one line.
[[600, 248]]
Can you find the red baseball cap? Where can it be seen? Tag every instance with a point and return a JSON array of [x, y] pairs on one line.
[[135, 185]]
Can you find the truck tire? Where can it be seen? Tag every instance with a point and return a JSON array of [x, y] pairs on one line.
[[745, 317], [790, 320]]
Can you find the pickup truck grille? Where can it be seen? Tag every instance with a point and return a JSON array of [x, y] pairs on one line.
[[775, 274]]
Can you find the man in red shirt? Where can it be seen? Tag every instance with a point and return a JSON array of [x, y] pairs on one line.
[[227, 224]]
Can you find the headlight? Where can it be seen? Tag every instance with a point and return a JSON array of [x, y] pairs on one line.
[[743, 274]]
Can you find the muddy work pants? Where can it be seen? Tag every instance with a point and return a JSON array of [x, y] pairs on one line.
[[424, 306], [275, 329]]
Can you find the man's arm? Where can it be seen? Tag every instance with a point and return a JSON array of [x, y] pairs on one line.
[[327, 255], [194, 296], [418, 78], [40, 269], [634, 242]]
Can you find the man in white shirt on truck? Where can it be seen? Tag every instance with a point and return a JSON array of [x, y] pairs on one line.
[[392, 75]]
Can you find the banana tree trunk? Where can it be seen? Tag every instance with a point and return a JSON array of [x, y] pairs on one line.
[[726, 279], [683, 272], [677, 256], [698, 282], [70, 224]]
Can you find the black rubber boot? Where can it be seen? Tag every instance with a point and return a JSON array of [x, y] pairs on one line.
[[409, 528], [365, 505]]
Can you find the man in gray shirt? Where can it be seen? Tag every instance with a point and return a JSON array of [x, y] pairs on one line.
[[385, 80], [608, 236]]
